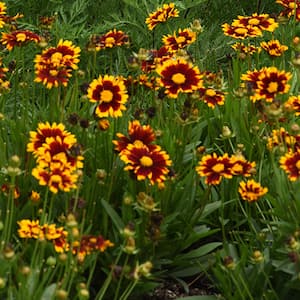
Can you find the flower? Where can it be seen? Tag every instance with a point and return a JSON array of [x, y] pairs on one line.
[[293, 103], [57, 178], [29, 229], [291, 8], [89, 244], [53, 67], [212, 97], [179, 76], [58, 157], [150, 59], [47, 130], [18, 38], [185, 37], [161, 15], [145, 162], [241, 166], [136, 132], [240, 32], [267, 83], [4, 83], [261, 21], [273, 48], [110, 94], [280, 137], [2, 13], [111, 39], [290, 163], [35, 196], [214, 168], [249, 49], [251, 190], [249, 26]]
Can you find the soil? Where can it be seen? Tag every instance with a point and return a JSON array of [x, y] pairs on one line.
[[171, 290]]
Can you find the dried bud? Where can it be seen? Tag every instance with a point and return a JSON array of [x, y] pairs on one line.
[[229, 262]]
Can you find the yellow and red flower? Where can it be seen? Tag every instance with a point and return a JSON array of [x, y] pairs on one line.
[[273, 48], [29, 229], [291, 8], [251, 190], [267, 83], [57, 163], [161, 15], [2, 13], [4, 83], [214, 168], [136, 132], [249, 26], [290, 163], [54, 66], [249, 49], [18, 38], [146, 162], [150, 59], [89, 244], [212, 97], [47, 130], [111, 39], [241, 32], [178, 76], [110, 94], [260, 21], [293, 103], [241, 166], [282, 138], [175, 42]]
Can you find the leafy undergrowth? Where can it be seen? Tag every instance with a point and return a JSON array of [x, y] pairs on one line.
[[149, 150]]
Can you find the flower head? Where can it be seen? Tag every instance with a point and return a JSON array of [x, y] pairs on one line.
[[251, 190], [267, 83], [110, 94], [291, 8], [146, 163], [18, 38], [290, 163], [214, 168], [57, 162], [161, 15], [184, 38], [179, 76], [212, 97], [54, 66], [273, 48], [136, 132], [111, 39], [293, 103]]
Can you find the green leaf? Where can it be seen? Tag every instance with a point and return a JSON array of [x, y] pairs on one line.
[[49, 292], [113, 215], [201, 251]]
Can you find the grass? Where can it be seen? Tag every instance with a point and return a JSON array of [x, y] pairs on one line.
[[81, 218]]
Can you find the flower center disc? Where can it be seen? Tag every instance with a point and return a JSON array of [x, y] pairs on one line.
[[218, 168], [146, 161], [106, 96], [178, 78], [110, 41], [181, 39], [273, 87], [210, 93], [21, 37]]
